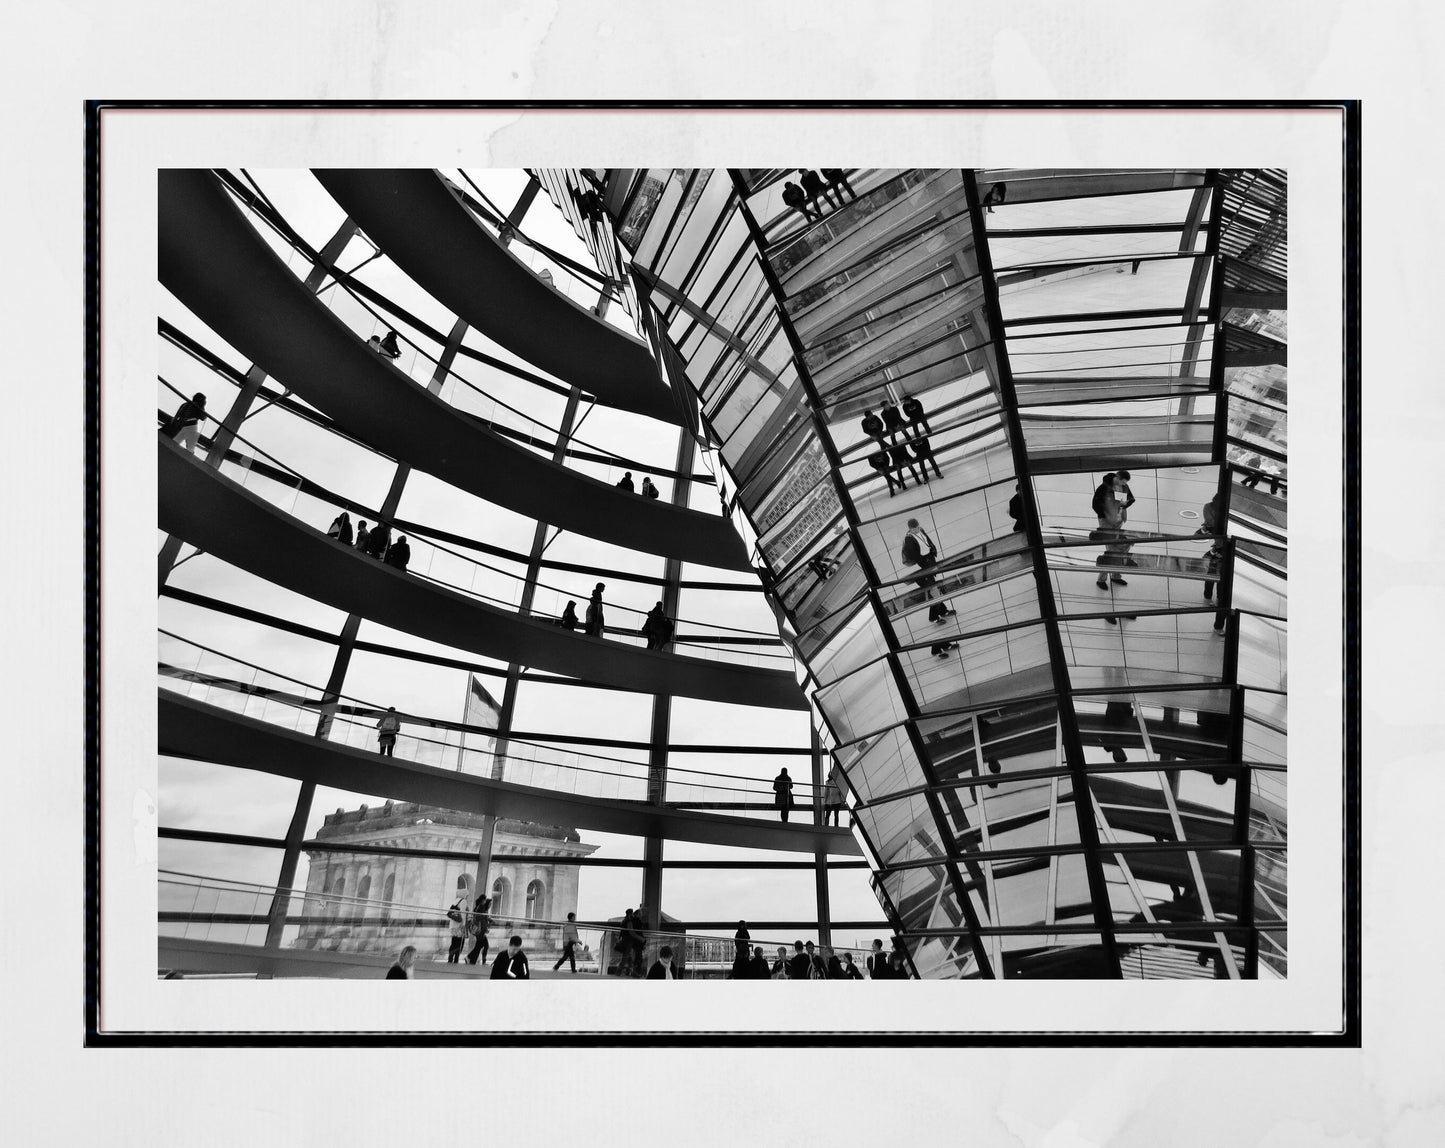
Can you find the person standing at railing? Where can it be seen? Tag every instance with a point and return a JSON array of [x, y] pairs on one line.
[[595, 620], [629, 946], [779, 971], [363, 535], [378, 540], [758, 969], [741, 939], [851, 972], [783, 793], [648, 490], [625, 483], [398, 554], [1016, 509], [838, 180], [389, 347], [185, 424], [878, 962], [662, 969], [457, 923], [568, 620], [340, 529], [570, 941], [405, 966], [511, 965], [833, 965], [386, 731], [833, 801], [657, 628]]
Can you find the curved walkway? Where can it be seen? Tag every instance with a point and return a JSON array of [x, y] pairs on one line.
[[194, 729], [217, 515], [216, 264], [426, 231]]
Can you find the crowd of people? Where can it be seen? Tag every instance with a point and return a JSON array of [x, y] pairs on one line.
[[901, 436], [813, 192]]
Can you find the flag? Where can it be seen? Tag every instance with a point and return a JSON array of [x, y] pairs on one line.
[[480, 709]]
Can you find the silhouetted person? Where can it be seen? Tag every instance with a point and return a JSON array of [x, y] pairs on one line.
[[800, 963], [363, 536], [568, 620], [378, 540], [374, 344], [996, 195], [833, 800], [838, 180], [914, 413], [340, 529], [923, 451], [625, 483], [851, 972], [817, 967], [878, 962], [511, 964], [656, 628], [185, 424], [648, 490], [897, 970], [880, 462], [873, 427], [892, 419], [833, 965], [813, 188], [595, 621], [386, 731], [793, 196], [629, 946], [389, 347], [741, 939], [1016, 509], [398, 554], [478, 924], [1213, 522], [662, 969], [901, 459], [783, 793], [570, 943], [758, 967]]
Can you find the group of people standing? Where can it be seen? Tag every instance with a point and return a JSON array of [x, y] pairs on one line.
[[809, 962], [648, 489], [385, 345], [833, 799], [813, 189], [893, 459], [375, 543], [657, 627]]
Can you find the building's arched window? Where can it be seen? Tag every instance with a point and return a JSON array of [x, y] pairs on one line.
[[536, 901], [364, 889], [501, 897], [388, 890], [338, 891]]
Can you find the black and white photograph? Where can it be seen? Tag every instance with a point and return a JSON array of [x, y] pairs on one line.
[[712, 573]]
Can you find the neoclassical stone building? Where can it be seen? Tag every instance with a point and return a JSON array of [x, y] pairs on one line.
[[359, 902]]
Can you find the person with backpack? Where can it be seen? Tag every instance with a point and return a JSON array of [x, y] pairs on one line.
[[386, 735], [656, 628], [919, 550], [185, 424], [340, 529], [648, 490], [389, 347], [625, 483], [457, 924], [378, 540], [568, 620]]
